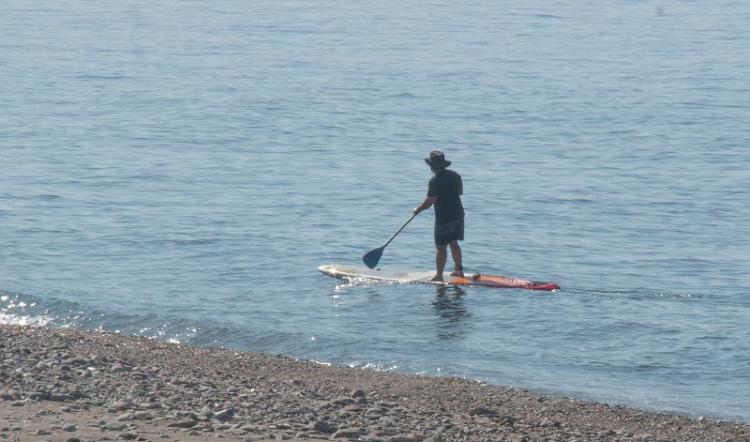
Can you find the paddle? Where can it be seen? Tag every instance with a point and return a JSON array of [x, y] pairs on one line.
[[372, 257]]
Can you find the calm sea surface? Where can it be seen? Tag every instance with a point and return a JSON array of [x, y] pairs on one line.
[[179, 169]]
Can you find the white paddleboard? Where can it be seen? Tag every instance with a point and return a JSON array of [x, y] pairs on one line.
[[406, 277]]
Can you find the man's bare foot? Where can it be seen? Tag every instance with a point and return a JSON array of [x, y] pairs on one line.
[[437, 278], [459, 273]]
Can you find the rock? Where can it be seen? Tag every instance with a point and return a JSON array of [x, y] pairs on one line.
[[129, 435], [38, 396], [77, 361], [126, 417], [482, 411], [624, 433], [187, 415], [207, 412], [358, 394], [143, 415], [139, 376], [114, 427], [183, 424], [69, 428], [118, 368], [384, 404], [323, 427], [244, 428], [9, 395], [348, 433], [340, 402], [224, 415], [116, 406], [149, 405]]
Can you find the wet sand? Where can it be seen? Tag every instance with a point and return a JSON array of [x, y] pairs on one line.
[[68, 385]]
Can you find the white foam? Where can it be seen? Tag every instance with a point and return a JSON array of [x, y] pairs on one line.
[[12, 319]]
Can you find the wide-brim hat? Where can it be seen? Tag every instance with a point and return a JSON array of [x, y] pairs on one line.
[[437, 160]]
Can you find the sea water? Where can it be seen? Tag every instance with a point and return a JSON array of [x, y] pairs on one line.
[[179, 169]]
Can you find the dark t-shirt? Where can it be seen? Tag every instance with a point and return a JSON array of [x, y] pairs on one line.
[[446, 185]]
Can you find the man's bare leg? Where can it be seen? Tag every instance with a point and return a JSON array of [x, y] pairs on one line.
[[441, 256], [457, 260]]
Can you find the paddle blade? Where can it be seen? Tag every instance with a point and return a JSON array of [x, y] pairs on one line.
[[372, 257]]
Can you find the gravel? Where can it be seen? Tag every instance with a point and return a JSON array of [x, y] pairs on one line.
[[61, 384]]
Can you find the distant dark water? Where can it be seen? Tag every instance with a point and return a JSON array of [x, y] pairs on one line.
[[180, 170]]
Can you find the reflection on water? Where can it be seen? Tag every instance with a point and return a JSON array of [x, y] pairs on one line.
[[451, 311]]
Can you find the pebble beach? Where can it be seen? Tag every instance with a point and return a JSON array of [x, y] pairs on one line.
[[70, 385]]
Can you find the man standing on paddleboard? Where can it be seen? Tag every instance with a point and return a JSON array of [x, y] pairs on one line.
[[444, 191]]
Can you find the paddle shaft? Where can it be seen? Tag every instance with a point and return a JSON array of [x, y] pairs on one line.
[[372, 257], [399, 230]]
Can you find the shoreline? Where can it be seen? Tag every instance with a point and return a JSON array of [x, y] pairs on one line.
[[67, 385]]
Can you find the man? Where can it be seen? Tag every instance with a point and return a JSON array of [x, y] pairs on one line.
[[444, 191]]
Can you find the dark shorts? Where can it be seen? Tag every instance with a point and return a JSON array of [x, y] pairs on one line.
[[445, 233]]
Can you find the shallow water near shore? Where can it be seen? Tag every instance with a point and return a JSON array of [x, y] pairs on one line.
[[180, 170]]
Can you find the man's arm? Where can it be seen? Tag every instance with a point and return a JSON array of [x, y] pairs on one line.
[[429, 201]]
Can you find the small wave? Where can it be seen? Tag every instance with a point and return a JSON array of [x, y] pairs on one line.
[[32, 320], [101, 77], [21, 309], [557, 17], [695, 104], [633, 294], [540, 15], [16, 311], [366, 282], [375, 366]]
